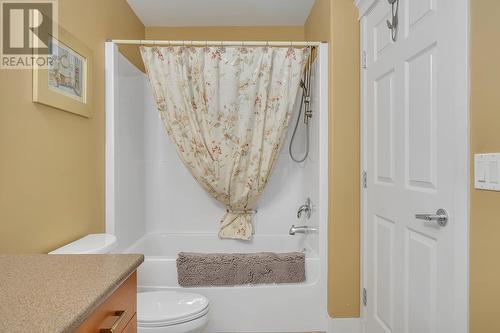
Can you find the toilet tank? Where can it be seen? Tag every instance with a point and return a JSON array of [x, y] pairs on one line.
[[90, 244]]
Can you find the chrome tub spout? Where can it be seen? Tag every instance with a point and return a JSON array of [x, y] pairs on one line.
[[303, 229]]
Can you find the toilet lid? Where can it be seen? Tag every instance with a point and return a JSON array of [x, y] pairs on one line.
[[162, 308]]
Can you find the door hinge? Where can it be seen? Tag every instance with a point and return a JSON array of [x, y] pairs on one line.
[[364, 179], [364, 297], [363, 59]]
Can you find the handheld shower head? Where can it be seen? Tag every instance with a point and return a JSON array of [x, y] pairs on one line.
[[305, 85]]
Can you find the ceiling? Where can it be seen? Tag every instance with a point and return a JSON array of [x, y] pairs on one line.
[[177, 13]]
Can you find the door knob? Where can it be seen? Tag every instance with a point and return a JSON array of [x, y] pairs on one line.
[[441, 217]]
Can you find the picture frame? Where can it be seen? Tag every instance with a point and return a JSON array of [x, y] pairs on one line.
[[65, 82]]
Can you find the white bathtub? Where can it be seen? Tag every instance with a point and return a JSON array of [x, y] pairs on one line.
[[243, 308]]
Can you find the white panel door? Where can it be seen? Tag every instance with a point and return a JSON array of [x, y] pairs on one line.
[[414, 153]]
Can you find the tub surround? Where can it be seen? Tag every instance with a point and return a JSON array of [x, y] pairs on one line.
[[149, 208], [57, 293]]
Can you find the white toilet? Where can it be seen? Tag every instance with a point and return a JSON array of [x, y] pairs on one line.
[[171, 312], [157, 311]]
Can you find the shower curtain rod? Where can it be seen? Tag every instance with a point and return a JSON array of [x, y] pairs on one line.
[[214, 43]]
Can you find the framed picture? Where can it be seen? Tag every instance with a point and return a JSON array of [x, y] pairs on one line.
[[65, 81]]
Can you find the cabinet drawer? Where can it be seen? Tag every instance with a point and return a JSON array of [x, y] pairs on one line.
[[131, 326], [111, 310]]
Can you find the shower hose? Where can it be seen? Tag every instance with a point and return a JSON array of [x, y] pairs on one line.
[[305, 84]]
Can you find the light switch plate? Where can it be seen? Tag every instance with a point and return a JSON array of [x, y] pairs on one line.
[[487, 171]]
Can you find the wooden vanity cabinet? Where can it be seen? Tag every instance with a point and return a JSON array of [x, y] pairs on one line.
[[117, 314]]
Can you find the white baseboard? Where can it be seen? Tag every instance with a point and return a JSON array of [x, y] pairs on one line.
[[344, 325]]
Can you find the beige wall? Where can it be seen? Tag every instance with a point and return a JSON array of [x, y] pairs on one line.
[[226, 33], [336, 21], [52, 162], [485, 137]]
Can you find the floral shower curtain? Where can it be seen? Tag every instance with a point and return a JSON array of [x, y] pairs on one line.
[[227, 109]]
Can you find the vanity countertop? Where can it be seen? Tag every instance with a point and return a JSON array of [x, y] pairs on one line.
[[56, 293]]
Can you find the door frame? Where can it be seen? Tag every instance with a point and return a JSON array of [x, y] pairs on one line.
[[461, 204]]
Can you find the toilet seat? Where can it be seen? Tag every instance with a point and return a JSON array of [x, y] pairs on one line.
[[167, 308]]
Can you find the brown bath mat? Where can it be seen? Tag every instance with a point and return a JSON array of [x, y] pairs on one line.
[[223, 269]]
